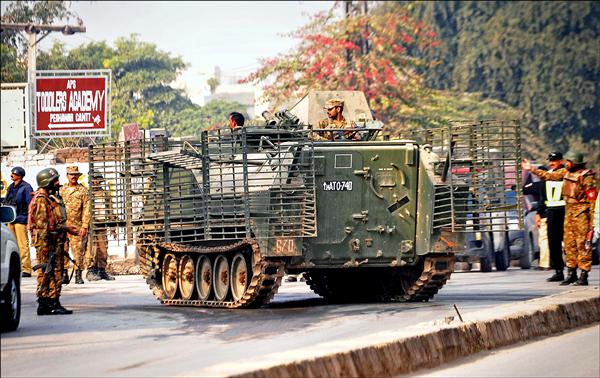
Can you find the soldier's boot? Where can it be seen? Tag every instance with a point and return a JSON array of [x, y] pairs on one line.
[[92, 274], [572, 277], [65, 277], [78, 278], [58, 309], [105, 276], [44, 307], [583, 279], [557, 277]]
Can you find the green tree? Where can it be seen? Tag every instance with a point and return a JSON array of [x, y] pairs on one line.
[[141, 85], [13, 44], [373, 53], [14, 70], [213, 83], [539, 56]]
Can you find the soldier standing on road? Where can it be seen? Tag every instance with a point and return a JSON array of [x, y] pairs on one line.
[[335, 120], [47, 224], [579, 192], [19, 195], [97, 257], [77, 201]]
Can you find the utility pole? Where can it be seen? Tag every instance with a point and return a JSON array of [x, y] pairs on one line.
[[32, 31]]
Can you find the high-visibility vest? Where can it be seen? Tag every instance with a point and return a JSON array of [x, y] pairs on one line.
[[554, 194]]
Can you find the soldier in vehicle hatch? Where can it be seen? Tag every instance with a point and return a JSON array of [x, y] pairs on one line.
[[335, 120], [236, 120], [579, 191]]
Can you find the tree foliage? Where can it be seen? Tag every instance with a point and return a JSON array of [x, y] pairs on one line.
[[373, 53], [13, 45], [539, 56], [38, 12], [141, 85]]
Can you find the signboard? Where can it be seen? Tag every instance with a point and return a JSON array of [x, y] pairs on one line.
[[15, 119], [72, 103]]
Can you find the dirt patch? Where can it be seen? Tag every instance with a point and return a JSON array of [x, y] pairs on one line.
[[118, 266]]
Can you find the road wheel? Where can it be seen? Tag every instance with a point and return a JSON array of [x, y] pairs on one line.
[[204, 278], [221, 278], [241, 274], [169, 275], [11, 308], [186, 277]]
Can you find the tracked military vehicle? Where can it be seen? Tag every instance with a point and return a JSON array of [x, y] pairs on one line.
[[218, 222]]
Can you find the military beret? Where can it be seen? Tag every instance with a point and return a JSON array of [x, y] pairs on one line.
[[333, 102], [554, 156], [73, 170]]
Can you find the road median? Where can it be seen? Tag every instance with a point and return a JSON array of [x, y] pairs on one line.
[[430, 344]]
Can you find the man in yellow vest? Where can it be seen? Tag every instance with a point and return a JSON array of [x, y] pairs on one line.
[[555, 217]]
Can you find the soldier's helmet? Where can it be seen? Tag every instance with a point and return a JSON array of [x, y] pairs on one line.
[[46, 176], [575, 157], [19, 171]]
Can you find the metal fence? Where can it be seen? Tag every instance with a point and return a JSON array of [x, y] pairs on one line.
[[230, 185], [479, 163]]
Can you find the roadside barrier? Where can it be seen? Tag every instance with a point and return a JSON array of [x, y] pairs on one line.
[[481, 331]]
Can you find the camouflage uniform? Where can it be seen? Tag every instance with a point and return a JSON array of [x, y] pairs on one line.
[[578, 213], [77, 201], [97, 255], [47, 225], [327, 123]]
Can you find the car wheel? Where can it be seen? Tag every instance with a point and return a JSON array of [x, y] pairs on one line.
[[485, 264], [526, 258], [502, 257], [11, 308]]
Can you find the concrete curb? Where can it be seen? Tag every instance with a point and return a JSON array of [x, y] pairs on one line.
[[449, 343]]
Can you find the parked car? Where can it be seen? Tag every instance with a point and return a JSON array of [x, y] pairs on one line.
[[499, 247], [10, 274]]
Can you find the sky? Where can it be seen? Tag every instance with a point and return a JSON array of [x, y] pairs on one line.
[[232, 35]]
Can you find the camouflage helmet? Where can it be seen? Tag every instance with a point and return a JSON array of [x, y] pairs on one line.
[[574, 157], [46, 176]]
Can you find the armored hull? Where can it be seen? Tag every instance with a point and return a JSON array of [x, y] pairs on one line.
[[218, 222]]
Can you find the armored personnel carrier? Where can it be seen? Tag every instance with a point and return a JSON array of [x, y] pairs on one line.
[[218, 222]]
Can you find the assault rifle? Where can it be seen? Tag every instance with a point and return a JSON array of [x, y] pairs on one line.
[[48, 266]]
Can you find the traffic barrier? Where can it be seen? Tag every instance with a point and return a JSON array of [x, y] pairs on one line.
[[536, 318]]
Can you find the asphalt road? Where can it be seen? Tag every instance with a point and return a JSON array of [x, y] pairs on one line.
[[570, 354], [119, 329]]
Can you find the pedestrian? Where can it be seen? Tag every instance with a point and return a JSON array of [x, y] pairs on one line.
[[77, 202], [97, 257], [579, 191], [335, 120], [47, 224], [19, 195], [538, 190]]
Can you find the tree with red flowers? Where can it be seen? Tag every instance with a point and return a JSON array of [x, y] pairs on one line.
[[370, 52]]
